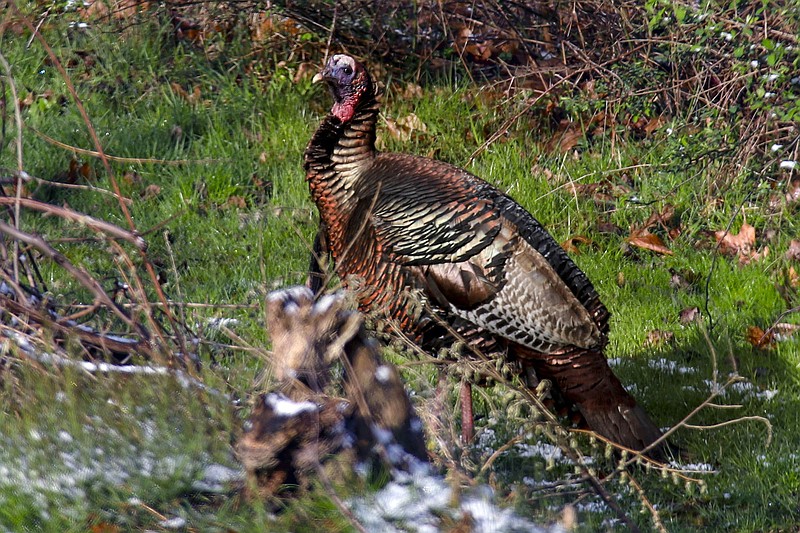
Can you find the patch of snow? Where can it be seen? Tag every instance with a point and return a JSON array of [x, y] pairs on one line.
[[669, 366], [591, 507], [693, 467], [283, 406], [418, 504], [754, 63], [173, 523], [776, 147], [540, 449], [746, 388], [222, 322], [788, 165]]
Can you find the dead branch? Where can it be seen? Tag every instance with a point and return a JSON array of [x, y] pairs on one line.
[[92, 223], [81, 275]]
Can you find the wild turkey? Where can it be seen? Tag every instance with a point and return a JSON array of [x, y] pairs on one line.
[[403, 229]]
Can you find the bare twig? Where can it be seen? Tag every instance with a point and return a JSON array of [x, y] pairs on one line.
[[92, 223], [18, 118], [129, 160], [83, 277]]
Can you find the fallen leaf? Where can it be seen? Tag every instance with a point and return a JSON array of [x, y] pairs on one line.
[[570, 245], [609, 228], [793, 278], [404, 128], [305, 71], [683, 279], [97, 10], [653, 124], [104, 527], [412, 91], [742, 244], [151, 191], [238, 202], [737, 243], [690, 314], [767, 339], [658, 337], [793, 253], [566, 138], [758, 338], [793, 191], [131, 178], [648, 241], [666, 219]]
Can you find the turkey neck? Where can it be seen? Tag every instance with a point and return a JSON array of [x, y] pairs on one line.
[[337, 156]]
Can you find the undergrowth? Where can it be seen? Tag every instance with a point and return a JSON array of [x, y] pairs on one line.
[[205, 134]]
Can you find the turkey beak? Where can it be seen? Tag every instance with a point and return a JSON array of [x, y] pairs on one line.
[[323, 75]]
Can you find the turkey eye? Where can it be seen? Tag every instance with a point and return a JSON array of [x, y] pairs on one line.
[[347, 70]]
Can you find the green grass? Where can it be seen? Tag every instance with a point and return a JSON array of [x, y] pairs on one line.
[[138, 443]]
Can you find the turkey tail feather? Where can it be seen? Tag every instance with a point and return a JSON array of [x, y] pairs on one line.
[[585, 380]]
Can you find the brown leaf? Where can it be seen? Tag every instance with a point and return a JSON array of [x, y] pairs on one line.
[[793, 278], [648, 241], [653, 124], [566, 138], [125, 9], [177, 89], [690, 314], [238, 202], [793, 191], [86, 171], [666, 218], [97, 10], [767, 339], [194, 98], [609, 228], [570, 245], [404, 128], [305, 70], [658, 337], [742, 244], [412, 91], [151, 191], [28, 101], [739, 243], [104, 527], [793, 253], [758, 338], [683, 279], [131, 178]]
